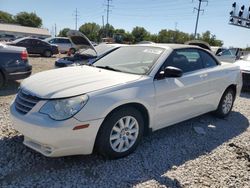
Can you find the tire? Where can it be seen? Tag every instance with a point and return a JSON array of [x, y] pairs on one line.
[[112, 140], [72, 50], [47, 53], [2, 80], [226, 103]]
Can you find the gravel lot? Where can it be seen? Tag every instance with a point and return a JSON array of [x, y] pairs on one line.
[[202, 152]]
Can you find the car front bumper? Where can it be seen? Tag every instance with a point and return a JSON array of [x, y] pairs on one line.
[[55, 138]]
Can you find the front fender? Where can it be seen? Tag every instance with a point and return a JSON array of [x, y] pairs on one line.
[[99, 106]]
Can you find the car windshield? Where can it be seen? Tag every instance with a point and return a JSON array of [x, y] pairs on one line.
[[100, 49], [132, 59]]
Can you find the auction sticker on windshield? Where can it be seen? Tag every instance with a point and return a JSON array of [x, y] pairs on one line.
[[153, 51]]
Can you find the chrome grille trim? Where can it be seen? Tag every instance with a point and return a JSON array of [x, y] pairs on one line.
[[25, 102]]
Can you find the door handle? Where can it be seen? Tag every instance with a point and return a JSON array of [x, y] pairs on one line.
[[203, 75]]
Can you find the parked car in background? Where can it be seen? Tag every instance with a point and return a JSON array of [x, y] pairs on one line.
[[14, 64], [217, 49], [64, 44], [229, 55], [87, 53], [7, 37], [126, 94], [36, 46], [199, 43], [244, 64], [87, 56]]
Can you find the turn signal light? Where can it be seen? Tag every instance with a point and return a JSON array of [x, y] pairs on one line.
[[80, 127]]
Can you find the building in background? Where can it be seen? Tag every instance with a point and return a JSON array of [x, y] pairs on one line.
[[11, 32]]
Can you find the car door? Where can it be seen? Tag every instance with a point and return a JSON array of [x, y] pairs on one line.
[[34, 46], [65, 45], [214, 79], [227, 56], [25, 43], [178, 99]]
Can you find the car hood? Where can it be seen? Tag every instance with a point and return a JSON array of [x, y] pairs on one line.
[[80, 40], [73, 81], [244, 65]]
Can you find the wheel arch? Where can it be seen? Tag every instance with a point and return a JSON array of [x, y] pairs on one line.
[[138, 106], [233, 87]]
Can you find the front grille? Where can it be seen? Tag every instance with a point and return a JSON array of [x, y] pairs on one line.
[[246, 76], [246, 80], [25, 102]]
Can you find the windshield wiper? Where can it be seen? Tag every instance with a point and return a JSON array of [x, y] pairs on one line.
[[108, 68]]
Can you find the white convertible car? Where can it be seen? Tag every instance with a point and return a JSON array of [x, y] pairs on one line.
[[130, 92]]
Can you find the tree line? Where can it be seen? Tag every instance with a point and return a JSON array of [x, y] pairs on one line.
[[22, 18], [95, 32]]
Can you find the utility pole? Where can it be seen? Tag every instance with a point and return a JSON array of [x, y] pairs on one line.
[[102, 21], [198, 14], [76, 15], [55, 30], [108, 11]]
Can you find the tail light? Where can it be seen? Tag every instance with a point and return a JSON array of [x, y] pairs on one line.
[[24, 55]]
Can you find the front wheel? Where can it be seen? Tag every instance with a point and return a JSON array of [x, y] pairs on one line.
[[120, 133], [226, 103]]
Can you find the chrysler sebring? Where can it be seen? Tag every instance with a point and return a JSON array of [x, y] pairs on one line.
[[130, 92]]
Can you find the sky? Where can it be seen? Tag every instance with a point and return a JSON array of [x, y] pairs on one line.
[[153, 15]]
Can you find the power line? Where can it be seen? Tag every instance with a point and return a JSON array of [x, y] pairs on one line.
[[198, 15]]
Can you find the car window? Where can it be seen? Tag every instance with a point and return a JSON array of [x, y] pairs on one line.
[[66, 41], [52, 41], [135, 60], [207, 60], [44, 43], [226, 53], [100, 49], [35, 42], [26, 41], [185, 59]]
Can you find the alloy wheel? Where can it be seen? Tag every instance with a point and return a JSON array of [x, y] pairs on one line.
[[124, 134]]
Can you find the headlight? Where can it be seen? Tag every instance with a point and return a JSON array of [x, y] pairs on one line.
[[62, 109]]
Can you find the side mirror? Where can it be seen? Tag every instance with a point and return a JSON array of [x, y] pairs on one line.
[[172, 72]]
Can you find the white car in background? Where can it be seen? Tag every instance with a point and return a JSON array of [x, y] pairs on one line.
[[229, 55], [244, 64], [126, 94], [64, 44]]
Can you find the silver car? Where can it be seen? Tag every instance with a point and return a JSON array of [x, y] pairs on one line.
[[64, 44]]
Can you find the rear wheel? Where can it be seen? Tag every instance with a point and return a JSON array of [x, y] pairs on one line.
[[120, 133], [226, 103], [47, 53], [72, 50], [2, 80]]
